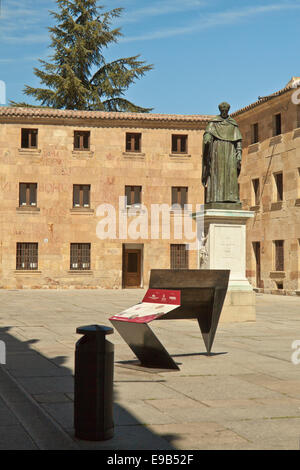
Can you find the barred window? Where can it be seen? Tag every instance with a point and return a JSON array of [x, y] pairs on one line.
[[81, 195], [29, 138], [179, 195], [179, 143], [27, 194], [133, 142], [27, 256], [80, 256], [279, 255], [179, 257], [81, 140]]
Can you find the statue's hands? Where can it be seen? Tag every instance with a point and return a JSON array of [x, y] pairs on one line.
[[207, 138]]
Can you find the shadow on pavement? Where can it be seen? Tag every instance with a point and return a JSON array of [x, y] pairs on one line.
[[50, 386]]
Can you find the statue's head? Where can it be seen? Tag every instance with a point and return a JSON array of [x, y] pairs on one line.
[[224, 109]]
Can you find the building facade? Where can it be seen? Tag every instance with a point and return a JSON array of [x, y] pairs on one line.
[[270, 186], [59, 169], [63, 172]]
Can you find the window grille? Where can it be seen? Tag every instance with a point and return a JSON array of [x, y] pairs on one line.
[[27, 256], [179, 257], [80, 256], [279, 255]]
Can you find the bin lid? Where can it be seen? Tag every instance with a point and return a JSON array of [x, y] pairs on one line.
[[94, 329]]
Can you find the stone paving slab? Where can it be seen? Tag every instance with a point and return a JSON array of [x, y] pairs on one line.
[[245, 396]]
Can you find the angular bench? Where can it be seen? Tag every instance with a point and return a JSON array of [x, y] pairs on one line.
[[202, 296]]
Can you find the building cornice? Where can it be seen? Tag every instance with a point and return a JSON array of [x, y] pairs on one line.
[[263, 99], [97, 117]]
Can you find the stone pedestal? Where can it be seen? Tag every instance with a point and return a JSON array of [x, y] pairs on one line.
[[224, 247]]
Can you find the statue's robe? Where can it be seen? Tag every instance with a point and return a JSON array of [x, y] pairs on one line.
[[220, 166]]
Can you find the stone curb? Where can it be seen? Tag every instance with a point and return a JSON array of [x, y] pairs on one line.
[[43, 430]]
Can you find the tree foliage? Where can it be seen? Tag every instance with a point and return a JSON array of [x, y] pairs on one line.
[[77, 75]]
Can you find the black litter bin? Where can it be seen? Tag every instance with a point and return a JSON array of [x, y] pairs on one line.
[[93, 400]]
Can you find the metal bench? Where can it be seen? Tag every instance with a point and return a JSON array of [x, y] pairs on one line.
[[202, 296]]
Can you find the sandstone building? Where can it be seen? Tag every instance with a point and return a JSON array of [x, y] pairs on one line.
[[58, 167], [270, 186]]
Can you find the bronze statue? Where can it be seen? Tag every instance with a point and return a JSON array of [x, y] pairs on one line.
[[222, 154]]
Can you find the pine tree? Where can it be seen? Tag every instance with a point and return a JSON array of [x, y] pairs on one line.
[[77, 76]]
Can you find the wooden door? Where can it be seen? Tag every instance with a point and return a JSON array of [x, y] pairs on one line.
[[132, 268]]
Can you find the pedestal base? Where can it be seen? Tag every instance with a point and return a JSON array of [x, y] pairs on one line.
[[239, 306], [224, 247]]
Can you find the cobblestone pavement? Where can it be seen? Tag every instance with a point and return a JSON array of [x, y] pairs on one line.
[[245, 396]]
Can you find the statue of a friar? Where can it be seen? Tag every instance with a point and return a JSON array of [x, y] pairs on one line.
[[222, 154]]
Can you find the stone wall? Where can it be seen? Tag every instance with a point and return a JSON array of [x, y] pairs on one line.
[[274, 220], [107, 167]]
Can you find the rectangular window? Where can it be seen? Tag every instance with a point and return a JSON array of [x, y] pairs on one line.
[[133, 195], [81, 195], [179, 196], [82, 140], [254, 133], [27, 256], [80, 256], [179, 143], [256, 191], [279, 255], [27, 194], [277, 124], [133, 142], [257, 255], [179, 257], [29, 138], [278, 180]]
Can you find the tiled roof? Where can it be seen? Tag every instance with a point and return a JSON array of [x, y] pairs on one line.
[[71, 114], [292, 84]]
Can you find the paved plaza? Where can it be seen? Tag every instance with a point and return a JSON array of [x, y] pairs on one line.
[[244, 396]]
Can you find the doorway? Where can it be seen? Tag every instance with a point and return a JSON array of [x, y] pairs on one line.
[[132, 266], [256, 250]]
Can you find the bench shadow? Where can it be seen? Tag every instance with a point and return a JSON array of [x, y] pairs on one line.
[[199, 354]]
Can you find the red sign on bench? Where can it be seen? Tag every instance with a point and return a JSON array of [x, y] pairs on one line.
[[157, 302]]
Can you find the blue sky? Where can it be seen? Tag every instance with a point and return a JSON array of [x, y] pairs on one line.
[[203, 52]]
